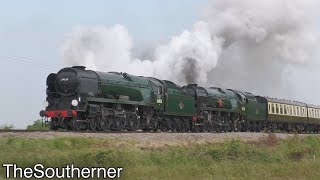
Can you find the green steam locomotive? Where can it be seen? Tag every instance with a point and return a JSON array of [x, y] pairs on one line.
[[80, 99]]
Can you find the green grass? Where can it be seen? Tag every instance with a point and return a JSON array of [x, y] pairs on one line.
[[270, 158]]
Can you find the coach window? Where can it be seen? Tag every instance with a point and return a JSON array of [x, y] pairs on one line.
[[299, 111], [313, 112], [273, 108], [293, 110], [285, 109], [305, 112], [289, 110], [269, 108], [309, 114]]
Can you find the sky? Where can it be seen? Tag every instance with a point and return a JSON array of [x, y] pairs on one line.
[[32, 33]]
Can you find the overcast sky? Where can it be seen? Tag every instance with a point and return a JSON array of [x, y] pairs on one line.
[[32, 33]]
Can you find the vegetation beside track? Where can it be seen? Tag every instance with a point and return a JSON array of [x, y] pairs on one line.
[[269, 158]]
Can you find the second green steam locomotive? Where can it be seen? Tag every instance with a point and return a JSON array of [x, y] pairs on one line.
[[80, 99]]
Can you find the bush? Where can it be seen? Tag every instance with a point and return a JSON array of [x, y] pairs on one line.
[[37, 125], [6, 127]]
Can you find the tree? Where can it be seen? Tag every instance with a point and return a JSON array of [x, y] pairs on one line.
[[37, 125], [6, 127]]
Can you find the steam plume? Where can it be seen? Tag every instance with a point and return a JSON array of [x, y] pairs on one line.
[[248, 45]]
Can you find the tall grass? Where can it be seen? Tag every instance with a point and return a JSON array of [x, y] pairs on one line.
[[270, 158]]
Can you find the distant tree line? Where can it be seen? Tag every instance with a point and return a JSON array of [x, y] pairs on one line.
[[37, 125], [6, 127]]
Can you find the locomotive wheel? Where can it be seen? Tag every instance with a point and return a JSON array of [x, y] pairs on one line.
[[62, 123], [237, 126], [102, 126], [188, 125], [244, 127], [133, 123], [164, 125], [210, 127], [203, 128], [53, 125], [196, 128], [252, 127], [76, 125], [93, 125], [172, 125], [219, 128], [225, 128], [185, 125], [258, 127], [230, 126], [119, 123], [178, 125], [108, 123]]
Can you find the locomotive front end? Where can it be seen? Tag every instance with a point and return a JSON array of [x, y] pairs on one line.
[[66, 93]]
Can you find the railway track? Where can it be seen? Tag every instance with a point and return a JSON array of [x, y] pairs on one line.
[[152, 139], [138, 131], [69, 131]]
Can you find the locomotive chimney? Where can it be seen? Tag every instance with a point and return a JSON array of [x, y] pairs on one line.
[[79, 67]]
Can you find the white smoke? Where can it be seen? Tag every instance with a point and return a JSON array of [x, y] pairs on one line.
[[242, 44], [263, 39], [103, 49]]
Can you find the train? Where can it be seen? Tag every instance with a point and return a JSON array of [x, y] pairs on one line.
[[80, 99]]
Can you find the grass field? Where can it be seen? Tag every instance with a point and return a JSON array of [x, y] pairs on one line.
[[270, 158]]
